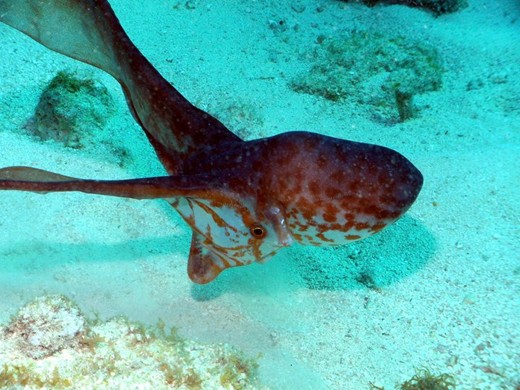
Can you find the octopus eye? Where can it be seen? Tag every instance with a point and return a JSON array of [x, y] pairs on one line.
[[257, 231]]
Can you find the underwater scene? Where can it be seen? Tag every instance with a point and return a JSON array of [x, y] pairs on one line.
[[258, 194]]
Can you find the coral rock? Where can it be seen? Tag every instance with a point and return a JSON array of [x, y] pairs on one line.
[[46, 326]]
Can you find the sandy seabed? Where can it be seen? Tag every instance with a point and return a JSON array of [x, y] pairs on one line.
[[438, 289]]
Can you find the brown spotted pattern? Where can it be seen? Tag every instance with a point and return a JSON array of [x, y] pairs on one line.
[[243, 200], [297, 186]]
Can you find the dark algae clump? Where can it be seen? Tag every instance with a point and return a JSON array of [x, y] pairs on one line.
[[438, 7], [424, 380]]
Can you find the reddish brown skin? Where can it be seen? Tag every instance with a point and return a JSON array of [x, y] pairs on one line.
[[294, 186], [303, 172]]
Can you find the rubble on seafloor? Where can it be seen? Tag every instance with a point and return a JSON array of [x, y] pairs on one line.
[[49, 343]]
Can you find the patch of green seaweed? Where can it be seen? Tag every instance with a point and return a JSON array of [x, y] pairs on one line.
[[369, 68], [70, 108], [237, 368], [23, 375], [423, 379]]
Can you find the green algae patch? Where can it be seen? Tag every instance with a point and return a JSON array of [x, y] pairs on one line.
[[369, 69], [71, 107], [49, 343], [423, 379]]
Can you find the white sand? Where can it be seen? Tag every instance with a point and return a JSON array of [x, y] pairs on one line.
[[447, 273]]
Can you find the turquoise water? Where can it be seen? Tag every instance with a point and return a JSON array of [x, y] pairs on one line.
[[438, 289]]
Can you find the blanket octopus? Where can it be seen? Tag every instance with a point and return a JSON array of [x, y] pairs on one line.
[[244, 200]]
